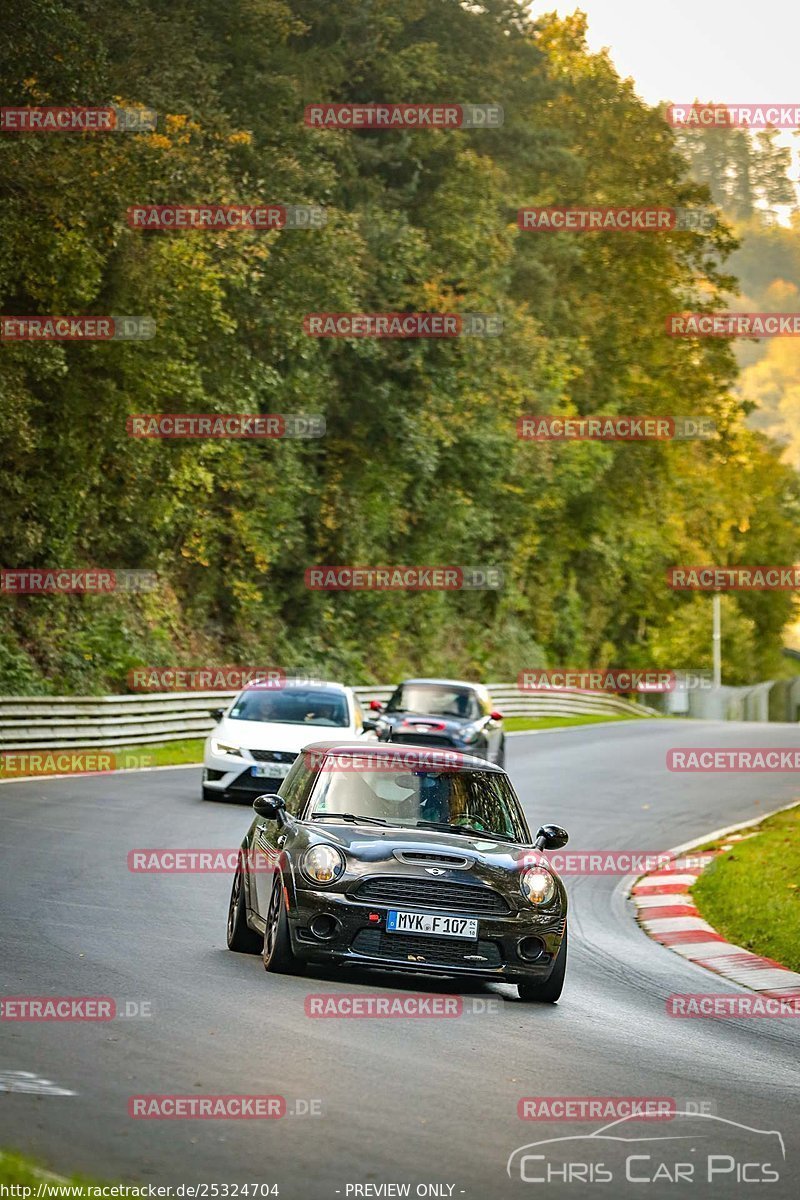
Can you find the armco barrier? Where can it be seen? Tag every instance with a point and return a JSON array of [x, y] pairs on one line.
[[53, 722]]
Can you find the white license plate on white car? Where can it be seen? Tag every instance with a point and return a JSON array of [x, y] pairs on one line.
[[271, 770], [436, 924]]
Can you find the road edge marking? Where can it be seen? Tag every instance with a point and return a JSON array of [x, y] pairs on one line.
[[673, 920]]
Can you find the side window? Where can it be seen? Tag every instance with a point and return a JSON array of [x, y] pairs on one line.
[[296, 787]]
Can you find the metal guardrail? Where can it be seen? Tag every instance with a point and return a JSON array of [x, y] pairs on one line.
[[55, 722]]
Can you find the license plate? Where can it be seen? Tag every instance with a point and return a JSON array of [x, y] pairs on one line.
[[435, 924], [271, 770]]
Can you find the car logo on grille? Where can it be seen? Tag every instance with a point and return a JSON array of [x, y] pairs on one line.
[[435, 870]]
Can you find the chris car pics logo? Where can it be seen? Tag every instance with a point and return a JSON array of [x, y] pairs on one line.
[[693, 1149]]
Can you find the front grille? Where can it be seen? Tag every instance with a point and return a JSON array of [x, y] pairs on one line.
[[442, 952], [278, 756], [431, 893], [257, 786]]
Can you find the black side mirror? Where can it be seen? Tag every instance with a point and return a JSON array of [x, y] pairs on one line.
[[217, 713], [368, 725], [269, 806], [551, 837]]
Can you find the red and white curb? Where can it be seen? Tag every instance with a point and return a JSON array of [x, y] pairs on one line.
[[667, 913]]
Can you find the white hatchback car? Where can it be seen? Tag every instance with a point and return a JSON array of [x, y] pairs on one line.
[[258, 737]]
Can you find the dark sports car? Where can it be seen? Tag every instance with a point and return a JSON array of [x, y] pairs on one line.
[[401, 857], [442, 712]]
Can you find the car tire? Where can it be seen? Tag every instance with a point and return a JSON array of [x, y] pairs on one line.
[[240, 936], [501, 754], [549, 991], [277, 954]]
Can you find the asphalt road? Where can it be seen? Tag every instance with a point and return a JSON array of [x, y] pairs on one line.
[[402, 1101]]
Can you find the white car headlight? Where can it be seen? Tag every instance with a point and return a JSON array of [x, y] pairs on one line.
[[322, 864], [224, 748], [538, 885]]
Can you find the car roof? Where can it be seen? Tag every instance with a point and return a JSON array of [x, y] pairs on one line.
[[385, 749], [300, 682], [462, 683]]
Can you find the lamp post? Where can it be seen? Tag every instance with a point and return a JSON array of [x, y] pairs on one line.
[[716, 640]]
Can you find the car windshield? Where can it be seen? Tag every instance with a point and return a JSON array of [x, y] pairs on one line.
[[292, 706], [468, 801], [435, 700]]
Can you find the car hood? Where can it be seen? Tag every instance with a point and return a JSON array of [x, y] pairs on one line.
[[273, 735], [372, 844]]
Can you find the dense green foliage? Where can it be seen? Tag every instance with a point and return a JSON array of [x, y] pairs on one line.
[[750, 177], [421, 463]]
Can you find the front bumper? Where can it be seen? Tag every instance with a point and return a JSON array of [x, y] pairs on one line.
[[234, 780], [360, 941]]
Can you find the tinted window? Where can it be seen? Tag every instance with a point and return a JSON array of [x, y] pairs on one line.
[[435, 700], [296, 786], [292, 706]]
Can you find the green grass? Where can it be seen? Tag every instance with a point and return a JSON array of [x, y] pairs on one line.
[[751, 895], [24, 1172], [168, 754], [513, 724]]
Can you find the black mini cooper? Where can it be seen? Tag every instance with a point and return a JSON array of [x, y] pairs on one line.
[[405, 858]]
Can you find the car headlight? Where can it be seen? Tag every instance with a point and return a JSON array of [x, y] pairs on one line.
[[468, 735], [224, 748], [322, 864], [538, 885]]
